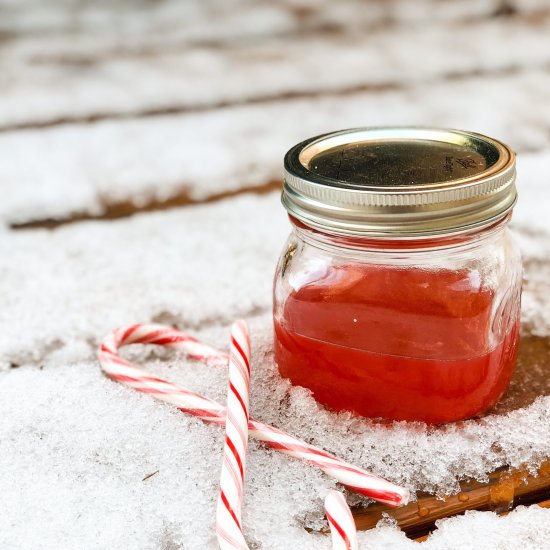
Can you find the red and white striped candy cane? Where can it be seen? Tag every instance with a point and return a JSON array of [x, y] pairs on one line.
[[340, 520], [123, 371], [228, 520], [228, 512]]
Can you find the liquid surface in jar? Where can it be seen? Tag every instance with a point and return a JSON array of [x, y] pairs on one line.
[[396, 343]]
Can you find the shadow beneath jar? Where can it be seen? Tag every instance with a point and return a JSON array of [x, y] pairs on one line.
[[532, 376]]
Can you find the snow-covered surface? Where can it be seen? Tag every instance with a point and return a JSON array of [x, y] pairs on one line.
[[74, 447], [219, 19], [202, 154], [43, 88], [196, 267], [81, 439], [523, 528]]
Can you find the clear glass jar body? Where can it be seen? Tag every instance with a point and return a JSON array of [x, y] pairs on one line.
[[407, 329]]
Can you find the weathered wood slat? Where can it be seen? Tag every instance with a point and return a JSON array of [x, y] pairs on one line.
[[59, 289], [505, 489], [42, 90], [215, 20], [88, 170], [123, 209], [292, 69]]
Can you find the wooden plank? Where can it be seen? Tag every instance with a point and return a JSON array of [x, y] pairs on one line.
[[41, 91], [506, 489], [211, 20], [89, 170], [69, 287], [123, 209]]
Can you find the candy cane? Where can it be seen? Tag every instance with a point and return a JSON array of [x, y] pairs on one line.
[[208, 410], [228, 513], [340, 520]]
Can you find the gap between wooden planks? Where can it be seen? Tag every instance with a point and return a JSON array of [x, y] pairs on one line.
[[125, 209], [506, 489]]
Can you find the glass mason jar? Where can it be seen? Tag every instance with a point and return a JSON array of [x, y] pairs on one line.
[[397, 294]]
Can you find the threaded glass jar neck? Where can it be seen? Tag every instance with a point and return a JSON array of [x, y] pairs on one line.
[[462, 241]]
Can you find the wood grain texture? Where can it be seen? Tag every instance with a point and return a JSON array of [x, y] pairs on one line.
[[504, 490]]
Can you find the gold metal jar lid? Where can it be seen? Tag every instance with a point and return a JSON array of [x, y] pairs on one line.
[[399, 182]]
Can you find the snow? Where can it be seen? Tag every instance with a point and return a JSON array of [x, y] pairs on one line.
[[170, 21], [70, 438], [523, 528], [76, 451], [199, 266]]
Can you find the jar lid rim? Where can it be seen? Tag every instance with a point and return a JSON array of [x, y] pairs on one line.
[[399, 180]]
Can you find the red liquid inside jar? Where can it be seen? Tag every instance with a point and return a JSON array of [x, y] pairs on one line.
[[396, 342]]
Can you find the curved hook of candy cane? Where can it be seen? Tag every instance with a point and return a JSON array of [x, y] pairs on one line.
[[124, 371], [230, 497], [340, 520]]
